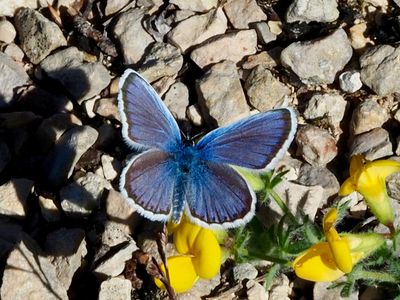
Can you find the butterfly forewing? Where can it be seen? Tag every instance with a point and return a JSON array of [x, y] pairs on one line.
[[217, 196], [257, 142], [146, 121], [148, 182]]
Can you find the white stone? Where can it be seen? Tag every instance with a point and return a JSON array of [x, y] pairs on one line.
[[241, 13], [177, 100], [116, 289], [312, 11], [350, 81], [13, 197], [194, 115], [198, 5], [7, 31], [8, 8]]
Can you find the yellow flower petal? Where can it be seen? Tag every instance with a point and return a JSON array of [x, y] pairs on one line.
[[356, 163], [206, 254], [317, 264], [181, 273], [329, 219], [347, 187], [185, 235]]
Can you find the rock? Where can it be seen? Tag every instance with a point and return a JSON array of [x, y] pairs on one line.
[[66, 247], [162, 60], [51, 129], [324, 290], [256, 291], [241, 13], [380, 69], [244, 271], [10, 234], [193, 114], [264, 33], [130, 34], [14, 196], [350, 81], [220, 93], [312, 11], [359, 37], [118, 210], [60, 162], [88, 105], [81, 197], [114, 234], [201, 289], [177, 100], [14, 52], [326, 106], [12, 77], [373, 144], [180, 15], [311, 176], [5, 155], [115, 288], [280, 289], [111, 167], [368, 115], [398, 147], [315, 145], [264, 91], [199, 6], [38, 36], [82, 80], [262, 59], [30, 275], [318, 61], [198, 28], [152, 4], [219, 48], [18, 119], [8, 8], [114, 265], [297, 197], [393, 186], [114, 6], [7, 31], [49, 210], [107, 108]]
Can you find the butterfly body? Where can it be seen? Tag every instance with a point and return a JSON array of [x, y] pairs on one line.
[[175, 176]]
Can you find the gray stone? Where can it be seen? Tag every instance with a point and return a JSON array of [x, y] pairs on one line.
[[66, 247], [162, 60], [264, 91], [12, 77], [194, 115], [113, 6], [197, 29], [13, 197], [29, 274], [380, 69], [7, 31], [111, 167], [114, 234], [256, 291], [220, 93], [398, 146], [310, 176], [373, 144], [263, 59], [119, 211], [14, 52], [201, 289], [244, 271], [315, 145], [280, 289], [393, 186], [38, 36], [323, 11], [5, 155], [177, 100], [114, 265], [368, 115], [324, 290], [49, 210], [264, 32], [107, 108], [130, 34], [83, 80], [8, 8], [241, 13], [220, 48], [200, 5], [152, 4], [318, 61], [81, 197], [350, 81], [60, 162], [115, 288]]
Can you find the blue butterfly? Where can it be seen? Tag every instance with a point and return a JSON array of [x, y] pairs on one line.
[[173, 176]]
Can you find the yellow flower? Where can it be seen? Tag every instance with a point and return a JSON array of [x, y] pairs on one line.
[[330, 260], [200, 256], [369, 180]]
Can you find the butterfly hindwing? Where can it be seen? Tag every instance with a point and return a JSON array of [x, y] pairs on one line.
[[148, 183], [146, 121], [257, 142], [219, 197]]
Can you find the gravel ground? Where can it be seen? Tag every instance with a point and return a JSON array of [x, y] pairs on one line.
[[66, 231]]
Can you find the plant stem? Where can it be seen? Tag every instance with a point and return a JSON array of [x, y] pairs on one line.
[[376, 276], [282, 205]]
